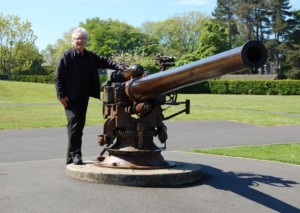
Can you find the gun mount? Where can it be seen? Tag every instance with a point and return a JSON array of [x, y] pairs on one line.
[[132, 105]]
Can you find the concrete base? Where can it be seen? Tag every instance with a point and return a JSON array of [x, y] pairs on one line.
[[181, 173]]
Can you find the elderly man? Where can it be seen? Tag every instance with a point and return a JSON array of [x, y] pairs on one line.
[[77, 79]]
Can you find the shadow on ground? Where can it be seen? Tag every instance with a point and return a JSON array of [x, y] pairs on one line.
[[242, 184]]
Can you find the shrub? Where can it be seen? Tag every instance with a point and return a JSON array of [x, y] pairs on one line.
[[33, 78], [246, 87]]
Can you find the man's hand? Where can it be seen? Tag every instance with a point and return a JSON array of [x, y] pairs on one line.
[[64, 101]]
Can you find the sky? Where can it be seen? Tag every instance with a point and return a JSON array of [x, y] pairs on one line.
[[50, 19]]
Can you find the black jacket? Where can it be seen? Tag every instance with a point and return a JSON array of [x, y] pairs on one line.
[[68, 74]]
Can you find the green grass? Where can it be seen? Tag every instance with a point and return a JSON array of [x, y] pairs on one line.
[[287, 153], [32, 105], [253, 109]]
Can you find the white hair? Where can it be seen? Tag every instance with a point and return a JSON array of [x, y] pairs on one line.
[[80, 32]]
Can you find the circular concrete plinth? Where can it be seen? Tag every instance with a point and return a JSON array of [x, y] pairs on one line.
[[182, 173]]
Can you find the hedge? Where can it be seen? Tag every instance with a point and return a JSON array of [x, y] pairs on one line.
[[40, 78], [246, 87], [33, 78]]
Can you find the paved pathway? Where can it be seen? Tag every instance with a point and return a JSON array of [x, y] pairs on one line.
[[32, 173]]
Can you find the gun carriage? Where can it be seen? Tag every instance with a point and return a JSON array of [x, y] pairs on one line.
[[132, 105]]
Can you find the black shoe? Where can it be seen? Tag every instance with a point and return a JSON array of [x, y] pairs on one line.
[[77, 160], [69, 161]]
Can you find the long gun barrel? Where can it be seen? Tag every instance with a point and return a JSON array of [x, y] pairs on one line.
[[252, 54]]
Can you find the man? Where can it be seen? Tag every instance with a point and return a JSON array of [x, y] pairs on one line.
[[76, 79]]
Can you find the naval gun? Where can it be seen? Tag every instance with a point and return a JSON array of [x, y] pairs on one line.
[[132, 105]]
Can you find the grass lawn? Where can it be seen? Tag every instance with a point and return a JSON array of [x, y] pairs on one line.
[[32, 105], [288, 153], [258, 110]]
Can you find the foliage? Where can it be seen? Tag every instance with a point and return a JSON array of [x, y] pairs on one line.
[[291, 49], [279, 11], [33, 78], [252, 19], [63, 44], [244, 87], [291, 60], [258, 87], [27, 60], [271, 22], [200, 88], [188, 37], [109, 37], [218, 87], [213, 40], [49, 55], [126, 58], [224, 13], [17, 49], [178, 34], [148, 62], [294, 28], [187, 58]]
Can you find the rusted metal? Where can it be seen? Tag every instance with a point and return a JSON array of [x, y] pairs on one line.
[[133, 108]]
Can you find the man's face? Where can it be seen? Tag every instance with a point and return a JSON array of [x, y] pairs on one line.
[[79, 43]]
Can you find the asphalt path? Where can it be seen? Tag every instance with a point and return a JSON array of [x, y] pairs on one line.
[[33, 179]]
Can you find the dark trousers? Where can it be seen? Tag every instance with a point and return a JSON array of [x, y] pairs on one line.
[[76, 114]]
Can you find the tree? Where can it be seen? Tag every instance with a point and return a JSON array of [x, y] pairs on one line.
[[213, 40], [261, 22], [291, 62], [16, 41], [49, 57], [279, 11], [291, 48], [109, 37], [252, 19], [294, 35], [27, 60], [63, 44], [279, 20], [224, 13], [179, 34]]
